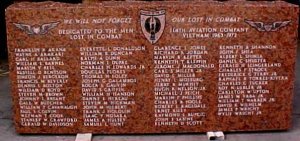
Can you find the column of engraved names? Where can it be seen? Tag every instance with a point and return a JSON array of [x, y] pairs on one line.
[[243, 76], [178, 85], [105, 79], [40, 87]]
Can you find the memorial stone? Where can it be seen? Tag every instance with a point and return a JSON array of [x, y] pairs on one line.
[[152, 67]]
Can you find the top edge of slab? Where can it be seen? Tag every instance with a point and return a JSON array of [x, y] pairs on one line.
[[53, 5]]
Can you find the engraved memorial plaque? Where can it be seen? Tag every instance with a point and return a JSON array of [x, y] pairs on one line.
[[152, 67]]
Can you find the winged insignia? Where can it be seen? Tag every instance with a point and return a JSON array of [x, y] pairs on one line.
[[36, 29], [267, 27]]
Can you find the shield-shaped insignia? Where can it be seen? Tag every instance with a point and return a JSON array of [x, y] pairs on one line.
[[153, 24]]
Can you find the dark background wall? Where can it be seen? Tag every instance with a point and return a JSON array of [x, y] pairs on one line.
[[3, 49], [5, 3]]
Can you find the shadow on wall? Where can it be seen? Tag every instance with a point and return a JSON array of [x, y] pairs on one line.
[[5, 3]]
